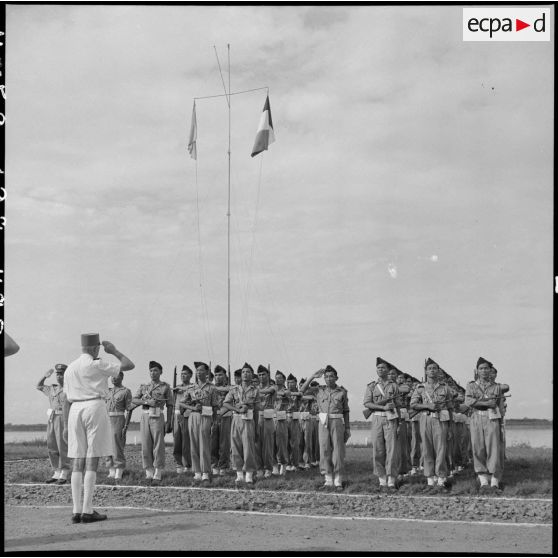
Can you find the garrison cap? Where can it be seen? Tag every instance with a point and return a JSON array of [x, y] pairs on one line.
[[313, 383], [246, 365], [291, 377], [380, 360], [60, 367], [262, 369], [279, 372], [430, 361], [186, 368], [155, 364], [483, 361], [238, 373], [219, 368], [90, 339], [330, 368], [302, 380], [201, 365]]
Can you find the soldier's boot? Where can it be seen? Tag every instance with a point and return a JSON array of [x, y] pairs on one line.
[[275, 470], [282, 470], [383, 481], [391, 481], [483, 479], [64, 474], [157, 475], [179, 470], [118, 473], [338, 482], [267, 474], [214, 471], [112, 472], [494, 482], [431, 481], [249, 479], [149, 473], [328, 480], [239, 477]]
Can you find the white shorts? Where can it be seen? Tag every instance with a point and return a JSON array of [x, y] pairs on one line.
[[89, 432]]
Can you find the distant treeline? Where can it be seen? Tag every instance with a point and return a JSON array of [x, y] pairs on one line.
[[510, 423]]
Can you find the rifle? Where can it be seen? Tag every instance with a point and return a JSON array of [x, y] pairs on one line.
[[174, 378], [367, 412]]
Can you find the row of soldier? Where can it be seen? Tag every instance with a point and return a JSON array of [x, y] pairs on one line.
[[262, 427]]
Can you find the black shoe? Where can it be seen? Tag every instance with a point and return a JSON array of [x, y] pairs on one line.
[[62, 481], [50, 481], [76, 517], [92, 517]]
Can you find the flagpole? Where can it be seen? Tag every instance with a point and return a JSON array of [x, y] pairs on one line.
[[229, 228]]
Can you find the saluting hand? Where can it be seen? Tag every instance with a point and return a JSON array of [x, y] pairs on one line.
[[109, 347], [49, 373]]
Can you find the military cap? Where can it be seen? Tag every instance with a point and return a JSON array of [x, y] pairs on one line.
[[330, 368], [279, 372], [314, 383], [483, 361], [155, 364], [186, 368], [291, 377], [302, 380], [219, 368], [201, 365], [60, 367], [238, 373], [262, 369], [380, 360], [429, 361], [246, 365], [90, 339]]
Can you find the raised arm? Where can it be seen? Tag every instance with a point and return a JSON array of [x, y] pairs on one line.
[[41, 382], [316, 374], [125, 363]]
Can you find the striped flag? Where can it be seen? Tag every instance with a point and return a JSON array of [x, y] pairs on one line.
[[264, 135], [192, 149]]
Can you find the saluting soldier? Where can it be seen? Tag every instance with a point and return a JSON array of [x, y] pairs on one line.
[[119, 408], [433, 399], [306, 430], [152, 398], [293, 424], [265, 445], [201, 399], [181, 435], [483, 397], [334, 426], [281, 428], [315, 420], [380, 398], [221, 427], [403, 412], [243, 401], [57, 445]]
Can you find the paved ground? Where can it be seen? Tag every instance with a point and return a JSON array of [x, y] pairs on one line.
[[43, 528]]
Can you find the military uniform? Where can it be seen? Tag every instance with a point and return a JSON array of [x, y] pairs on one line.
[[383, 430], [152, 424], [281, 429], [307, 432], [294, 431], [243, 427], [332, 404], [57, 446], [221, 435], [315, 421], [434, 428], [118, 400], [402, 437], [265, 446], [180, 432], [485, 429], [200, 424]]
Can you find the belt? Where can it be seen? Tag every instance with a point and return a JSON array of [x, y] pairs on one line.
[[89, 399], [379, 413], [116, 413], [482, 413], [57, 412], [198, 412], [314, 417], [335, 415]]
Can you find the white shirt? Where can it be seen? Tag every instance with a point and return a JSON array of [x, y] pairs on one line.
[[86, 378]]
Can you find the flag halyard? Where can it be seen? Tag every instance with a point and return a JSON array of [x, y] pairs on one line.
[[192, 145]]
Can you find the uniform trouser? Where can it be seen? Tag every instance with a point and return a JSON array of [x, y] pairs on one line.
[[332, 447], [458, 444], [200, 442], [243, 434], [221, 442], [316, 441], [434, 434], [485, 442], [266, 444], [57, 447], [502, 442], [450, 448], [308, 438], [403, 448], [293, 427], [415, 443], [282, 442], [181, 441], [384, 446], [152, 432], [117, 459]]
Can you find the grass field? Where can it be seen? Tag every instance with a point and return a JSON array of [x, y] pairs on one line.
[[527, 472]]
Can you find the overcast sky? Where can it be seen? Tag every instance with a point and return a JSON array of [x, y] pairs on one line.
[[405, 209]]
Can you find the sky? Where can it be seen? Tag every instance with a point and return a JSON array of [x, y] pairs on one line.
[[404, 211]]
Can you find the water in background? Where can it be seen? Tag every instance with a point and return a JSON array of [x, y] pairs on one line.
[[535, 437]]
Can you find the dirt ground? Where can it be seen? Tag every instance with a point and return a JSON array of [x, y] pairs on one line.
[[48, 529]]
